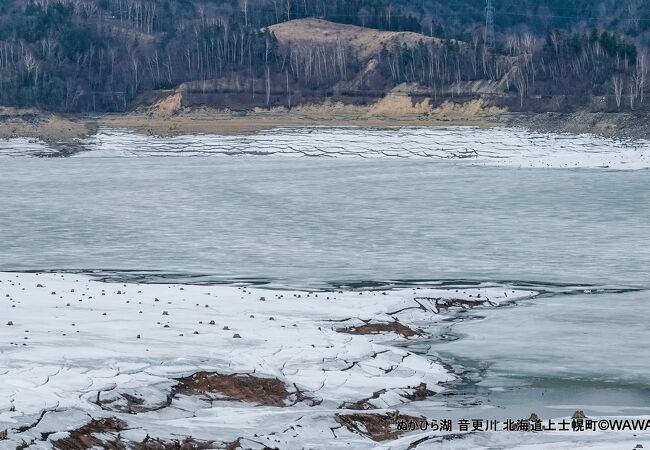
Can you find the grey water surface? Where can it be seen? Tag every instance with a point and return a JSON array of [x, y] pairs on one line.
[[309, 221]]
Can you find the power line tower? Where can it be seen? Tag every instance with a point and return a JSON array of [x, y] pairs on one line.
[[489, 25]]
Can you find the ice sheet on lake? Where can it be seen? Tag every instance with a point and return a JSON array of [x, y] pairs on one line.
[[72, 348], [483, 146], [493, 146], [69, 345]]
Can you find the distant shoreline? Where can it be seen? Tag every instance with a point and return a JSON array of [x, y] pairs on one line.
[[66, 129], [231, 124]]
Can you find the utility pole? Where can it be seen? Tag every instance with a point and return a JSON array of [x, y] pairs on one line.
[[489, 25]]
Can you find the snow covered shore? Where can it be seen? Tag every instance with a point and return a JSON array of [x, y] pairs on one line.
[[113, 365], [509, 147], [73, 349]]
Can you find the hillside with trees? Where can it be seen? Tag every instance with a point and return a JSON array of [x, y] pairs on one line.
[[106, 55]]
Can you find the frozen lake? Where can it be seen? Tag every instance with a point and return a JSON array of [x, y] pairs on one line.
[[575, 231]]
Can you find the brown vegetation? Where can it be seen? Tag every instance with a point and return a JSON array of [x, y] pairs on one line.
[[377, 328], [245, 388], [86, 437]]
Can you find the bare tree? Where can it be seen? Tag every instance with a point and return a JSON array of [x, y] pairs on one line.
[[268, 70], [288, 89], [521, 83], [639, 78], [617, 85], [30, 63]]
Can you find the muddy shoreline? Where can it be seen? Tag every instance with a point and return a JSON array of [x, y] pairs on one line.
[[63, 130], [622, 126]]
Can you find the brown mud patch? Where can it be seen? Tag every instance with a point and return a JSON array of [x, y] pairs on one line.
[[420, 393], [615, 125], [32, 123], [378, 427], [105, 434], [86, 437], [378, 328], [243, 388], [212, 121]]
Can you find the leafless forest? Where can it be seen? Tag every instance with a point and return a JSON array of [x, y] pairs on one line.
[[105, 55]]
